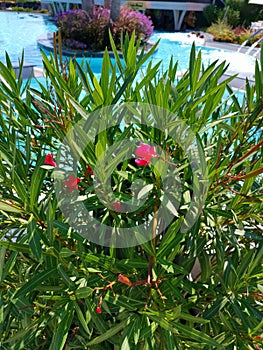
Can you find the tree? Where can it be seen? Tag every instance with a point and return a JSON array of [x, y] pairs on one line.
[[115, 10]]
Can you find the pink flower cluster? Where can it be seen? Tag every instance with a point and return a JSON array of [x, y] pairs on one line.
[[144, 152]]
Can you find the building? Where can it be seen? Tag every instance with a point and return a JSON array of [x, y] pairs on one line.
[[179, 7]]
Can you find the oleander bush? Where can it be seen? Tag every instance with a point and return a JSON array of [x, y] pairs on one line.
[[196, 283], [92, 31]]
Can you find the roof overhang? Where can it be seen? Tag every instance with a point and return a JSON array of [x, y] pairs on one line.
[[256, 2]]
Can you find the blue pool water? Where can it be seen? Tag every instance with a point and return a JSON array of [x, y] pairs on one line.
[[21, 30], [178, 45]]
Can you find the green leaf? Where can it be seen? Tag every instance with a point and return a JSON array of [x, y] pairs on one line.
[[12, 208], [205, 263], [35, 281], [36, 184], [81, 319], [171, 239], [34, 239], [83, 292], [111, 332], [67, 280], [17, 247], [61, 331]]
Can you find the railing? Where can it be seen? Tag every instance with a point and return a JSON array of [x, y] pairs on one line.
[[255, 43]]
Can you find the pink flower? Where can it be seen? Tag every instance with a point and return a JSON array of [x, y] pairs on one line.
[[117, 206], [72, 183], [145, 153], [89, 170], [49, 160]]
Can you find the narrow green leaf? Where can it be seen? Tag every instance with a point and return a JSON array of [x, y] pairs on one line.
[[34, 239], [69, 283], [81, 319], [33, 283], [111, 332], [61, 331], [12, 208]]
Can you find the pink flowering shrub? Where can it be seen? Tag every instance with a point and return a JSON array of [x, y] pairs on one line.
[[97, 29], [73, 24], [130, 21], [80, 31]]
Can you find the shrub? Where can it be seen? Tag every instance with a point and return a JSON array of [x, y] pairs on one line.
[[247, 13], [222, 32], [242, 34], [43, 10], [93, 31], [96, 34], [130, 21], [19, 9], [60, 289], [233, 17], [235, 13], [225, 33], [73, 24], [74, 44]]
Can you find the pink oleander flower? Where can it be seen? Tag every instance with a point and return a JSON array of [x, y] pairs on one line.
[[117, 206], [145, 153], [71, 183], [98, 310], [49, 160]]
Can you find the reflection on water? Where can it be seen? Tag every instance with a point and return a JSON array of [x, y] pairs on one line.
[[20, 32]]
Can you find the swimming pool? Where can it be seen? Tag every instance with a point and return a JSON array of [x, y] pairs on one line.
[[174, 44], [178, 46], [21, 30]]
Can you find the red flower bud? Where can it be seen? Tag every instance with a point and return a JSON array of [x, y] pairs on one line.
[[124, 280], [98, 310]]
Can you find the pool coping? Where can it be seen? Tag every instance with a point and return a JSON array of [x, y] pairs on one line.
[[46, 41]]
